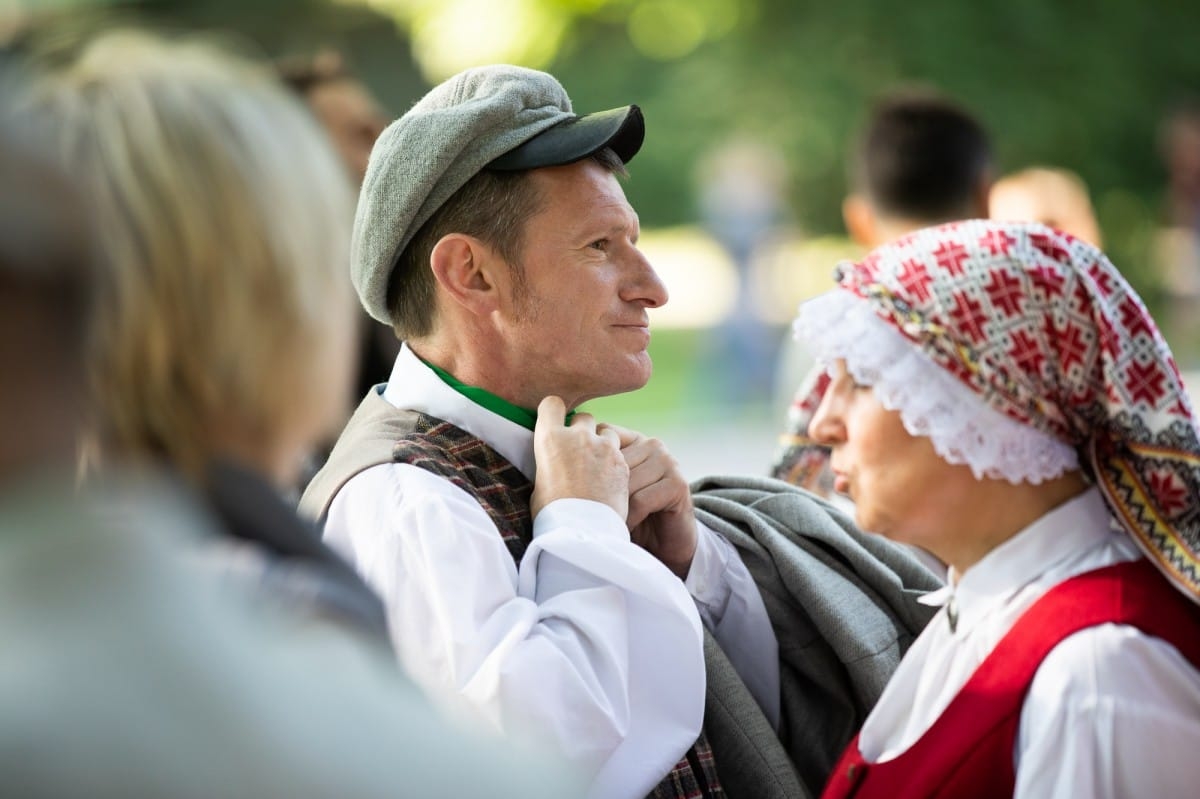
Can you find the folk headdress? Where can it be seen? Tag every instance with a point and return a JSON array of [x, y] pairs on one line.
[[1022, 352]]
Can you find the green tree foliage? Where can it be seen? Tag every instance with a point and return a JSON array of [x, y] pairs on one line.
[[1082, 85]]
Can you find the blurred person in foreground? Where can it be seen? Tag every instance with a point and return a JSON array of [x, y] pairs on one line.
[[920, 160], [1055, 197], [544, 573], [130, 668], [999, 396], [223, 341], [353, 119]]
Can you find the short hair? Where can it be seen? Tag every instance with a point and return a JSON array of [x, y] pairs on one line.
[[922, 157], [225, 218], [493, 206]]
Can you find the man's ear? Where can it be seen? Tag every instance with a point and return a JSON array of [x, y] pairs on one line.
[[859, 219], [463, 267]]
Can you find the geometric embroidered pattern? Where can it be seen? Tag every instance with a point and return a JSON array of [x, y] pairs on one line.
[[1045, 330]]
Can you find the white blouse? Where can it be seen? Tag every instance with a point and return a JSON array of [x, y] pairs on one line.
[[591, 647], [1131, 728]]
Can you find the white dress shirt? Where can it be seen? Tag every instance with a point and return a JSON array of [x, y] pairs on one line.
[[591, 645], [1111, 712]]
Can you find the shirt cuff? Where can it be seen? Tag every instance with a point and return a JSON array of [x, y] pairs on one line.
[[584, 517], [706, 579]]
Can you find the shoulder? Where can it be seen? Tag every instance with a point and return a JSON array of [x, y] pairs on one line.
[[387, 485], [1117, 665]]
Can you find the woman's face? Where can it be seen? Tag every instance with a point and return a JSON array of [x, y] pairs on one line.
[[901, 487]]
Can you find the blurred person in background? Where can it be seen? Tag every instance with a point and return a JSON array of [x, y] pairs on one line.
[[131, 669], [1000, 396], [1177, 243], [741, 199], [920, 160], [224, 339], [341, 102], [1055, 197], [352, 117]]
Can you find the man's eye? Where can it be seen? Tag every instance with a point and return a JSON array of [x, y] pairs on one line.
[[599, 244]]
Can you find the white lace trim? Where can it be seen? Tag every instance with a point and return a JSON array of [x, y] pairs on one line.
[[931, 401]]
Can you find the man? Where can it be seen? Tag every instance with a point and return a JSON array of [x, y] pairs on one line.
[[536, 565], [921, 160]]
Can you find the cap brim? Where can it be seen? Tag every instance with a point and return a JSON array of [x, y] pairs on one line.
[[620, 129]]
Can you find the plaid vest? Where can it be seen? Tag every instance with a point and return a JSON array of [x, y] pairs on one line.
[[503, 492], [500, 489]]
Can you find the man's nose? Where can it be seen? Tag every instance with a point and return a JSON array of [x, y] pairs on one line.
[[644, 285]]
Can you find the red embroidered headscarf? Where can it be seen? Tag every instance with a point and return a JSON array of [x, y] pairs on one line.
[[1041, 329]]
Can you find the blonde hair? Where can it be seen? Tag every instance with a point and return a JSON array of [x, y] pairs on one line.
[[226, 217]]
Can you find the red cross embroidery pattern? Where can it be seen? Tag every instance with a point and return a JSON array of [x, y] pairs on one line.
[[970, 315], [1026, 352], [1005, 292], [1145, 383], [996, 241], [950, 256], [914, 278]]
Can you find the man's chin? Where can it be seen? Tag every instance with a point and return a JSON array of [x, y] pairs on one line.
[[615, 387]]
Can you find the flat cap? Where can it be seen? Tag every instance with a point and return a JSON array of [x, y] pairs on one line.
[[496, 117]]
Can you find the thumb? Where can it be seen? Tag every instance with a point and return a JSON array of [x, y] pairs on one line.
[[551, 415], [624, 435]]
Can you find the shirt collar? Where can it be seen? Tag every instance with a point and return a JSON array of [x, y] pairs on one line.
[[414, 386], [1079, 524]]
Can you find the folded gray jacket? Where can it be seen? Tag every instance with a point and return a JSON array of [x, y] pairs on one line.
[[843, 606]]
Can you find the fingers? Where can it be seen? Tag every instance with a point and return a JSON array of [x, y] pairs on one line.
[[585, 420], [627, 437], [609, 435], [577, 460]]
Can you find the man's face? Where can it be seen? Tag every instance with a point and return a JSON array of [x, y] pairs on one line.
[[578, 319]]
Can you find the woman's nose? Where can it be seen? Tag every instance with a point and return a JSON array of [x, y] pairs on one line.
[[826, 425]]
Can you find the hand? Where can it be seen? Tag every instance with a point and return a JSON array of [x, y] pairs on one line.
[[661, 518], [577, 460]]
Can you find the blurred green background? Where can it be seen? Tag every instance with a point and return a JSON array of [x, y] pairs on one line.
[[1074, 84]]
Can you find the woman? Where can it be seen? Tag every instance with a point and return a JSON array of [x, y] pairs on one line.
[[225, 336], [999, 396]]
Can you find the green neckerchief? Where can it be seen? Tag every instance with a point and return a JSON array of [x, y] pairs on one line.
[[497, 405]]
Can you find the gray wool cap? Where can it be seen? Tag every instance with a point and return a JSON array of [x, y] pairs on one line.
[[496, 117]]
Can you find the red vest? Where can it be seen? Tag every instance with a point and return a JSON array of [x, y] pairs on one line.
[[968, 752]]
